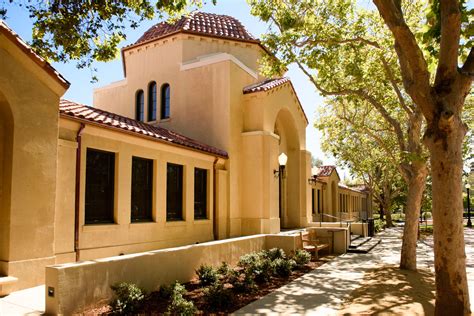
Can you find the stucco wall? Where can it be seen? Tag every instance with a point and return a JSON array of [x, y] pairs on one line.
[[98, 241], [86, 284], [29, 99]]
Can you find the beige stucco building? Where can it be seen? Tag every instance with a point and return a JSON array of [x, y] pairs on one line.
[[184, 149]]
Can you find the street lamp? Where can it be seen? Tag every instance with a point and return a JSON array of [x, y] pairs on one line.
[[280, 174], [469, 223]]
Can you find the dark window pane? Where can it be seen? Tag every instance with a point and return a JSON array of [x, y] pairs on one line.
[[174, 192], [312, 201], [142, 189], [100, 172], [319, 201], [165, 101], [152, 101], [139, 105], [200, 193]]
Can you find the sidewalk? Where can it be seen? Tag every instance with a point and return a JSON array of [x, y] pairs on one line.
[[328, 289], [24, 302]]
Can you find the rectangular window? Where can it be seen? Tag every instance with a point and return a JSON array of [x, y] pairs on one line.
[[312, 201], [200, 193], [100, 175], [142, 190], [174, 192]]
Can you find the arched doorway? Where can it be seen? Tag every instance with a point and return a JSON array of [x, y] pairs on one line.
[[6, 140], [289, 193]]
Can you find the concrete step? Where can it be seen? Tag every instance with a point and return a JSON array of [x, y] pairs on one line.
[[5, 282], [367, 246], [358, 242]]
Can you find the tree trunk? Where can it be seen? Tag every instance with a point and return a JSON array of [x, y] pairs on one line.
[[388, 216], [444, 139], [416, 186], [381, 212]]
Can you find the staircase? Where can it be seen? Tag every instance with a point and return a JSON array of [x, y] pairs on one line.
[[360, 244]]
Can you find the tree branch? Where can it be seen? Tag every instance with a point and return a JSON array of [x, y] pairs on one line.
[[391, 78], [449, 45], [416, 77]]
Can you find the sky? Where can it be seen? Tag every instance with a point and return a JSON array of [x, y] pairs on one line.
[[81, 88]]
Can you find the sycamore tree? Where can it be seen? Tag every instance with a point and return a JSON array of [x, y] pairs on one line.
[[366, 159], [347, 57], [89, 31], [436, 69]]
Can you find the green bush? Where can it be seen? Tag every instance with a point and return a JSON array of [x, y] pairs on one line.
[[178, 304], [128, 298], [379, 225], [257, 265], [426, 215], [283, 267], [301, 257], [217, 296], [223, 269], [274, 253], [207, 275], [241, 282]]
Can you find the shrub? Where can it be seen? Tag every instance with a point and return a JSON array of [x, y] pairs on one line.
[[426, 215], [172, 290], [224, 269], [243, 283], [178, 304], [379, 225], [257, 265], [275, 253], [302, 257], [128, 300], [207, 275], [217, 296], [283, 267]]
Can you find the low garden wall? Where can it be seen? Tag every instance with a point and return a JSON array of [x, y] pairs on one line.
[[75, 287]]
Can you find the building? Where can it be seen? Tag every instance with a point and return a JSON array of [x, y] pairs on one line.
[[184, 149], [334, 201]]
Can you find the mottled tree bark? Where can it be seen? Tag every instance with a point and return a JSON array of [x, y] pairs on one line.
[[416, 186]]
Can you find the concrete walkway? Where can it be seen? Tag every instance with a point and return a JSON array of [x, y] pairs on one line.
[[325, 290], [25, 302]]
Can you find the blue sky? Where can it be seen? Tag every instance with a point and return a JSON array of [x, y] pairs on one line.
[[81, 88]]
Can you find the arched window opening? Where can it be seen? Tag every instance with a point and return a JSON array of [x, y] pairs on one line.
[[139, 106], [152, 101], [165, 101]]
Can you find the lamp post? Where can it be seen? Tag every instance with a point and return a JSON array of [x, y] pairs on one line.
[[282, 160], [469, 223]]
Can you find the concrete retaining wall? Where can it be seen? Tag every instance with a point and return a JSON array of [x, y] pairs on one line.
[[73, 288]]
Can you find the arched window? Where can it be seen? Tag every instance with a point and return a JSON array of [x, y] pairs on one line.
[[165, 101], [139, 105], [152, 101]]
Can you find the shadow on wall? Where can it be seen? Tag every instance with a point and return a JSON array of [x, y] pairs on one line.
[[391, 291]]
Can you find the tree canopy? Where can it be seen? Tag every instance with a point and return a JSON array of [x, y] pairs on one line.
[[89, 31]]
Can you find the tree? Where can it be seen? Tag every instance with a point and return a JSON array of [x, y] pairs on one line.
[[356, 66], [316, 162], [438, 95], [89, 31], [351, 147]]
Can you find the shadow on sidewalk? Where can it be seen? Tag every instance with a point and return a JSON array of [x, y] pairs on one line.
[[390, 290]]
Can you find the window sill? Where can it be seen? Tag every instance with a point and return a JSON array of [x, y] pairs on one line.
[[173, 223], [165, 120], [100, 227], [202, 221]]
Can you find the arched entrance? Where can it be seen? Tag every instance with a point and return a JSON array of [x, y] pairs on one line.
[[289, 193], [6, 140]]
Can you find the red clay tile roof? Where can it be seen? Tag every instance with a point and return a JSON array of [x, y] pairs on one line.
[[325, 171], [265, 85], [16, 39], [103, 118], [214, 25]]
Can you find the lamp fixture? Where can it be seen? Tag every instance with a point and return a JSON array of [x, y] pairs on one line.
[[314, 172], [282, 160]]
